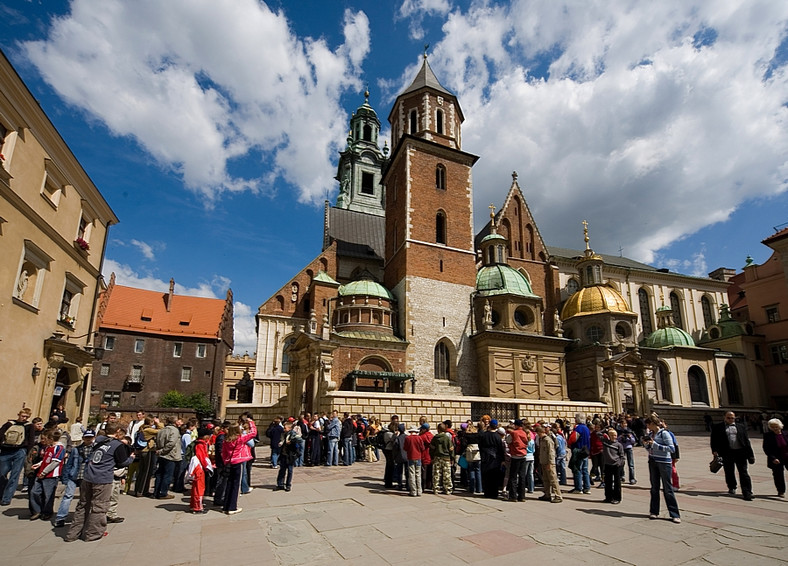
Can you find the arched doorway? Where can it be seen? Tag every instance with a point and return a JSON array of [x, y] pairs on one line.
[[699, 391], [663, 382], [733, 385]]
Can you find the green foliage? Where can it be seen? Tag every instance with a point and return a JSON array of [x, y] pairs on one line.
[[173, 399], [197, 401]]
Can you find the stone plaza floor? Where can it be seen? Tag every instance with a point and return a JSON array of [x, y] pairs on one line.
[[342, 515]]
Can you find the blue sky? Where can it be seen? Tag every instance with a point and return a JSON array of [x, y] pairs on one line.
[[213, 128]]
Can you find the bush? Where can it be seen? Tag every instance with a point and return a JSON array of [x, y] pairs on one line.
[[173, 399], [197, 401]]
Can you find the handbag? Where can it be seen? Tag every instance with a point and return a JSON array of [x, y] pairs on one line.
[[715, 465], [462, 462]]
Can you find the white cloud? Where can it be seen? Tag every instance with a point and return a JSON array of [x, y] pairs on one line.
[[245, 336], [636, 126], [416, 10], [144, 248], [200, 83]]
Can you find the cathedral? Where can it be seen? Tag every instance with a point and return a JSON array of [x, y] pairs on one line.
[[406, 310]]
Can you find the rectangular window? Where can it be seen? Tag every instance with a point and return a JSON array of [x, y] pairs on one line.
[[367, 180], [233, 394], [109, 342], [177, 349], [772, 313], [201, 349], [186, 374], [111, 398], [104, 370], [779, 353], [69, 303], [136, 374], [139, 346], [33, 265]]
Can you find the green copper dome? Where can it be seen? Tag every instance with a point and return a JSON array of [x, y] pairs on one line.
[[668, 337], [493, 236], [364, 288], [502, 280]]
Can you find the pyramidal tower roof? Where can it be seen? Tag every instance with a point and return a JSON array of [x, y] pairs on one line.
[[426, 78]]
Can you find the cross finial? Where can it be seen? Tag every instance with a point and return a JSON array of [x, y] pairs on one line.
[[585, 234], [492, 217], [426, 46]]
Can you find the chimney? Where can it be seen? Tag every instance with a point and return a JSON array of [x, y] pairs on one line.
[[170, 294]]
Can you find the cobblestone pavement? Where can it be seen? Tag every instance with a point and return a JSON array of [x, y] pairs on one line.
[[342, 515]]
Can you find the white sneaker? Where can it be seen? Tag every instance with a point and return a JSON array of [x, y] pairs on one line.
[[676, 520], [235, 512]]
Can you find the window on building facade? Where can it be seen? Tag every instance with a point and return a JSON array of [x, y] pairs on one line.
[[69, 303], [699, 392], [111, 398], [675, 307], [33, 267], [367, 133], [439, 121], [772, 313], [440, 228], [201, 350], [645, 312], [136, 374], [440, 177], [232, 394], [286, 355], [186, 374], [442, 359], [708, 313], [779, 353], [104, 370], [663, 377], [413, 122], [109, 342], [139, 346], [595, 333], [177, 349], [733, 385], [367, 183]]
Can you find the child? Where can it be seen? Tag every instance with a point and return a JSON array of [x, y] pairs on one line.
[[288, 455], [199, 466], [47, 473], [614, 457]]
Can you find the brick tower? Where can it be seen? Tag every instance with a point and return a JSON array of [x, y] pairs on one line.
[[429, 263]]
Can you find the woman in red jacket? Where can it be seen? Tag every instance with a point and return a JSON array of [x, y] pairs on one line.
[[235, 452]]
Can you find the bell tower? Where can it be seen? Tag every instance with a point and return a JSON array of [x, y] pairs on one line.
[[430, 261]]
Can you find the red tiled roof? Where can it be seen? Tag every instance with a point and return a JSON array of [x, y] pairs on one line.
[[776, 236], [146, 311]]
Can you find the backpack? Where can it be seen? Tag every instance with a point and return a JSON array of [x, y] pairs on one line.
[[189, 451], [14, 435], [139, 441]]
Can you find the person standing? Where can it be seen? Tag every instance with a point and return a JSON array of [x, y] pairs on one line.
[[775, 446], [518, 440], [16, 439], [547, 459], [47, 474], [414, 445], [288, 456], [110, 451], [73, 473], [580, 442], [660, 448], [168, 449], [442, 453], [347, 436], [235, 454], [333, 428], [614, 457], [274, 433], [729, 441]]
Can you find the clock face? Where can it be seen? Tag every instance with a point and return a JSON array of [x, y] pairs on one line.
[[572, 287]]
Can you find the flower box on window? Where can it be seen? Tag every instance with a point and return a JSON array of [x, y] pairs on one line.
[[82, 244], [68, 320]]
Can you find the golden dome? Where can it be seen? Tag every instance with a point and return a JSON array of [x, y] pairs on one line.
[[594, 300]]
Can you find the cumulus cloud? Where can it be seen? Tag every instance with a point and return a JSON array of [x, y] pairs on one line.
[[651, 120], [202, 85], [416, 10], [243, 315]]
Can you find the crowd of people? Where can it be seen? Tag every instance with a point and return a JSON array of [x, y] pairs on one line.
[[148, 457]]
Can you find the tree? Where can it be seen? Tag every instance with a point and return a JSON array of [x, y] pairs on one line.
[[174, 399], [197, 401]]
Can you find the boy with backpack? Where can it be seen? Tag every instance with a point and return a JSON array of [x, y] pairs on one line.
[[16, 438]]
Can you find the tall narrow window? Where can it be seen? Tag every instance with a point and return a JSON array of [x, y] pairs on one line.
[[663, 377], [645, 312], [699, 392], [440, 228], [367, 183], [675, 307], [439, 121], [733, 385], [367, 132], [708, 314], [413, 122], [441, 361], [440, 177], [177, 349], [186, 374], [201, 349], [286, 355], [139, 346]]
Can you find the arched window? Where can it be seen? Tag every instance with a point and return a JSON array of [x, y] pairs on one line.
[[733, 385], [440, 228], [699, 392], [440, 177], [675, 307], [413, 122], [663, 382], [286, 355], [439, 121], [708, 314], [442, 360], [368, 133], [645, 312]]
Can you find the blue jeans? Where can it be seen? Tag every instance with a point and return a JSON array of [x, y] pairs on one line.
[[163, 477], [662, 473], [65, 503], [560, 469], [347, 451], [300, 459], [529, 475], [42, 496], [285, 476], [332, 458], [630, 462], [275, 451], [244, 480], [582, 479], [11, 464], [475, 477]]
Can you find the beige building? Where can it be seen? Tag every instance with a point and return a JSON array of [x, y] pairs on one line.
[[53, 230]]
